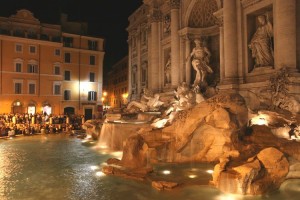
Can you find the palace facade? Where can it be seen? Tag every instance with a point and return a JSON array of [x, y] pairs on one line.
[[49, 68], [248, 42], [117, 84]]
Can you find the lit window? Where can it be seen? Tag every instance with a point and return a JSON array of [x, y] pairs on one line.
[[92, 96]]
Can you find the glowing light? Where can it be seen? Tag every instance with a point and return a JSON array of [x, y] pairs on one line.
[[210, 171], [100, 174], [117, 154], [192, 176], [259, 120], [160, 124], [125, 95], [166, 172], [94, 167], [229, 197], [103, 146]]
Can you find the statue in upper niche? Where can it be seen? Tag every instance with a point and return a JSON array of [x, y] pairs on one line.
[[261, 43], [200, 62], [168, 70]]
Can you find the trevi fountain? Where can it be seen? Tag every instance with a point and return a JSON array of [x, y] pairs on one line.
[[215, 84]]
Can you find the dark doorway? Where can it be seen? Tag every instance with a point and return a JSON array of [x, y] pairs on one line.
[[88, 114], [69, 111], [17, 109]]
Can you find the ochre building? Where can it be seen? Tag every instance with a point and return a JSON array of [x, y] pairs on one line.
[[49, 68]]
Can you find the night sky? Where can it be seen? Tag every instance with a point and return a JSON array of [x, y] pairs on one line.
[[106, 18]]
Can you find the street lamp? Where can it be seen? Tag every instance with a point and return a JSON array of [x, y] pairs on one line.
[[124, 96], [103, 99]]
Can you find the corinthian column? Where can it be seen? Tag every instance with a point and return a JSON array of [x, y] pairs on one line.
[[230, 41], [175, 42], [285, 33], [154, 68], [188, 62]]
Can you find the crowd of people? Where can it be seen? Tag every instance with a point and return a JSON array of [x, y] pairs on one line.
[[29, 124]]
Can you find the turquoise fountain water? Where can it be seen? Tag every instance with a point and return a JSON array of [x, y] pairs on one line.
[[62, 168]]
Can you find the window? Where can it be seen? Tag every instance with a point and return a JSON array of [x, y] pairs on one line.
[[92, 96], [93, 45], [92, 60], [31, 88], [67, 58], [57, 70], [57, 52], [32, 68], [67, 94], [32, 49], [67, 75], [68, 41], [18, 67], [18, 88], [92, 77], [56, 88], [19, 48]]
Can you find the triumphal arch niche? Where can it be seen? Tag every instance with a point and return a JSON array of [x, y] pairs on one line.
[[201, 31]]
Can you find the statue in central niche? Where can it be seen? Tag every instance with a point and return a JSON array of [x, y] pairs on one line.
[[261, 43], [200, 61]]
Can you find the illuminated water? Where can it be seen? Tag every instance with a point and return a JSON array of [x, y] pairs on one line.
[[61, 168]]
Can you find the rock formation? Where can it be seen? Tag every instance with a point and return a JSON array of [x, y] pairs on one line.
[[249, 158]]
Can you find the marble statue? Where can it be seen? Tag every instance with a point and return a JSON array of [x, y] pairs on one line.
[[167, 24], [261, 43], [200, 61], [168, 71], [148, 102]]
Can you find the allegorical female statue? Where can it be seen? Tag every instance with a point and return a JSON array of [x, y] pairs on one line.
[[261, 43], [168, 70]]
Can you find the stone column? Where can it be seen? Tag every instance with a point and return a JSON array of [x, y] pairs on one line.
[[188, 65], [230, 41], [222, 67], [285, 34], [154, 73], [129, 67], [175, 42]]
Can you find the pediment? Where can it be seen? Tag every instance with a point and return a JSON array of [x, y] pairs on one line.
[[24, 16]]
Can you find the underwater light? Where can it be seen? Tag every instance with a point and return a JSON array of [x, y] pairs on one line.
[[100, 174], [229, 197], [210, 171], [94, 167], [192, 176], [166, 172], [117, 154]]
